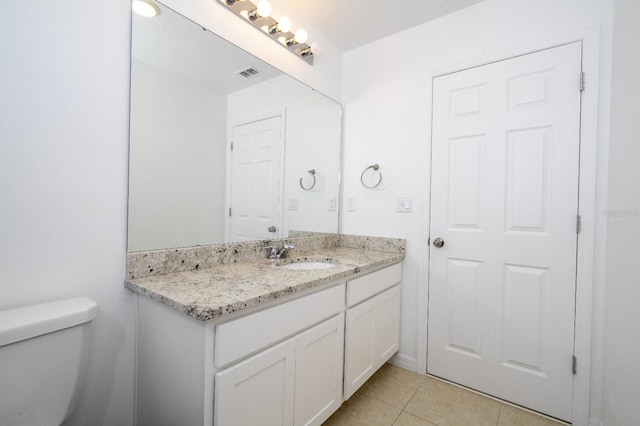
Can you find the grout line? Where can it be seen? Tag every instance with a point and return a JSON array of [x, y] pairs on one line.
[[502, 401]]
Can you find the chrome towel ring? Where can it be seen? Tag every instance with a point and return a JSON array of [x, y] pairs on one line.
[[375, 168], [312, 172]]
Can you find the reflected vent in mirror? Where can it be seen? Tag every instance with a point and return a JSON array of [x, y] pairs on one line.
[[247, 72]]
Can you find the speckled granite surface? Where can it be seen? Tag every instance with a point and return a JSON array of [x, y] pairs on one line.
[[231, 281]]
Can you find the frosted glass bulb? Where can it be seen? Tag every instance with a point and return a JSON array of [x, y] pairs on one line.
[[301, 36], [284, 24], [145, 8], [264, 8]]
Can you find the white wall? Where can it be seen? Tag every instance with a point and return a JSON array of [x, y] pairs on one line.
[[312, 141], [386, 99], [177, 161], [63, 171], [622, 310], [63, 178], [324, 75]]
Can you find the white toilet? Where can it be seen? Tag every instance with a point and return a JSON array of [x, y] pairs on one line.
[[43, 355]]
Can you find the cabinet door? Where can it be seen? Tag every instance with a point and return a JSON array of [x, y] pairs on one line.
[[359, 346], [387, 326], [258, 391], [372, 337], [319, 366]]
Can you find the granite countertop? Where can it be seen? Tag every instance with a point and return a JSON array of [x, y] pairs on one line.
[[223, 289]]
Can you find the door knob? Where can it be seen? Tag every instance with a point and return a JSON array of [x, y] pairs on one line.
[[271, 229], [438, 242]]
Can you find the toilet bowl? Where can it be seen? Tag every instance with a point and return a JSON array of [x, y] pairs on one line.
[[43, 355]]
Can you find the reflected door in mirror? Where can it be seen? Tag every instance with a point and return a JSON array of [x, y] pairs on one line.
[[256, 177]]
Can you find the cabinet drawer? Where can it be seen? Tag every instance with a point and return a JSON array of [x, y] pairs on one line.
[[243, 336], [366, 286]]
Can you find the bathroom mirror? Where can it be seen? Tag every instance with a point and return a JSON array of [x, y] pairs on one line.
[[223, 146]]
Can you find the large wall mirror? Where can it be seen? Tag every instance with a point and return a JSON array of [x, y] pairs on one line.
[[224, 147]]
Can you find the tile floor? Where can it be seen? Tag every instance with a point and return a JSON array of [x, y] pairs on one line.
[[398, 397]]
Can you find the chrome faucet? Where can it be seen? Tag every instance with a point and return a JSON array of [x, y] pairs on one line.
[[275, 253]]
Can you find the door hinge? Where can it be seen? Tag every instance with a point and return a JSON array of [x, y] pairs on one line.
[[229, 211], [578, 224], [574, 365], [581, 81], [231, 146]]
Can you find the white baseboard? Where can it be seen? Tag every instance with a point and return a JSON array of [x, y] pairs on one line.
[[404, 361]]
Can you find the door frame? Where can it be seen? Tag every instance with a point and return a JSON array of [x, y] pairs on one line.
[[282, 113], [590, 257]]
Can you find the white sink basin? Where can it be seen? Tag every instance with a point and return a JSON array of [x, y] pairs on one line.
[[307, 266]]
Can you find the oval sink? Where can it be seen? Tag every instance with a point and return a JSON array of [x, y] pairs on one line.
[[307, 266]]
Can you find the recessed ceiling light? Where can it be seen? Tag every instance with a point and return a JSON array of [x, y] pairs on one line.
[[146, 8]]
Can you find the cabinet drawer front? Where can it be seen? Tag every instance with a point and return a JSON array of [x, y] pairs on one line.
[[243, 336], [366, 286]]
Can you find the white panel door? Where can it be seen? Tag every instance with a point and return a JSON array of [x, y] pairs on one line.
[[258, 391], [256, 176], [504, 201], [319, 365]]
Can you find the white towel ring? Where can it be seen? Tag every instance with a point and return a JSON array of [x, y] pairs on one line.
[[375, 167]]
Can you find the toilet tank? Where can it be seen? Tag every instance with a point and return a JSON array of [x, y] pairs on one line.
[[43, 355]]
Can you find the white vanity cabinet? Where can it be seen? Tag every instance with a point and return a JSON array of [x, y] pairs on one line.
[[372, 325], [288, 363], [296, 382]]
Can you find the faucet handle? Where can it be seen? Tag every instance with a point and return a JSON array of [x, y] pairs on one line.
[[272, 249], [288, 247]]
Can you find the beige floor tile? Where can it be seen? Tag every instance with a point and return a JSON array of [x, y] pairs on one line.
[[448, 405], [407, 419], [511, 416], [361, 410], [393, 385]]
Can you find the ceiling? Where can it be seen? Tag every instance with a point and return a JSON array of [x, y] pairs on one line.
[[179, 46], [352, 23]]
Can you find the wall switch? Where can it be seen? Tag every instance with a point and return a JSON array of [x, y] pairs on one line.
[[293, 204], [332, 204], [351, 204], [405, 204]]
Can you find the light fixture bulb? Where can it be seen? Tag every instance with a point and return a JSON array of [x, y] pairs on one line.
[[145, 8], [301, 36], [264, 8], [284, 24]]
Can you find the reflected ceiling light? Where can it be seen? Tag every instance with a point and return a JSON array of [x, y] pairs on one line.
[[279, 31], [146, 8]]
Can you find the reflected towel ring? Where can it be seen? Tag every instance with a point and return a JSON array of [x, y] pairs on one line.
[[312, 172], [375, 167]]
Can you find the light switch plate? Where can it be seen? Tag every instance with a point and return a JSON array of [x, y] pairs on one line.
[[293, 204], [332, 204]]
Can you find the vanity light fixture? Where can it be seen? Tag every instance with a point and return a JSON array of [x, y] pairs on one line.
[[146, 8], [280, 31]]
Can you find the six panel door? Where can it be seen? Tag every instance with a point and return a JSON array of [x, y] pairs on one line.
[[504, 200]]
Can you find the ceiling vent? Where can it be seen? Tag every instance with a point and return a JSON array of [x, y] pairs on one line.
[[247, 72]]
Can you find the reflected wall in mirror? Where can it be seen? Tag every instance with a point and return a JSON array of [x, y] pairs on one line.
[[222, 143]]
